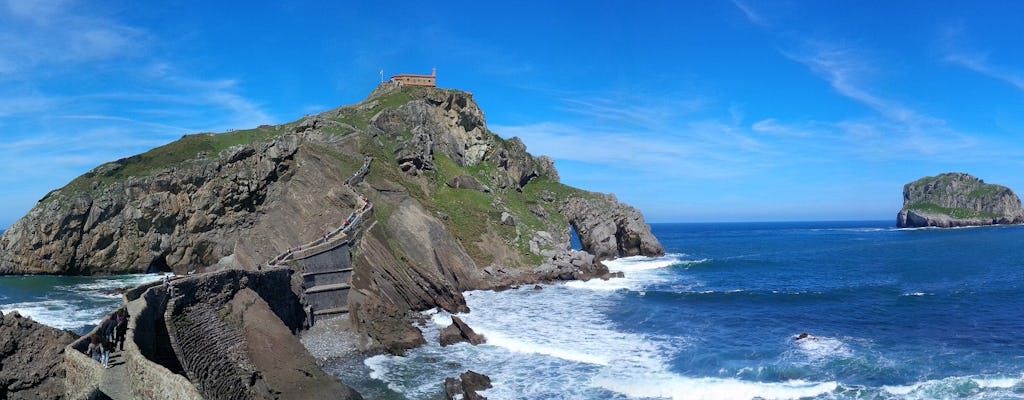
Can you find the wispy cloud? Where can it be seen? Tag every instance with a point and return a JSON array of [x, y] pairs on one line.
[[845, 69], [752, 15], [979, 63], [45, 34], [57, 123]]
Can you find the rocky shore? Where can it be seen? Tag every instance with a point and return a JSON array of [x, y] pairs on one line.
[[454, 208], [31, 358]]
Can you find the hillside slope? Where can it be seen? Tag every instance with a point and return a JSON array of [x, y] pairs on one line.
[[957, 199], [455, 208]]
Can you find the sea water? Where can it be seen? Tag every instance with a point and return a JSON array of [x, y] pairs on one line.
[[75, 303], [891, 314]]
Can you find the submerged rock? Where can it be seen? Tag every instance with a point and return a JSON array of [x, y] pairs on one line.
[[957, 199]]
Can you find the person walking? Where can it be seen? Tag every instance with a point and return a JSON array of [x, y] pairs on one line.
[[107, 329], [120, 330]]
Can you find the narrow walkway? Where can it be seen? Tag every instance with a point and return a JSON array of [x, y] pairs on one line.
[[115, 384]]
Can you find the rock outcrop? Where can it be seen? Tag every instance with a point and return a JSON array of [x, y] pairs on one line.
[[31, 358], [456, 208], [232, 333], [467, 386], [459, 332], [609, 229], [187, 214], [957, 199]]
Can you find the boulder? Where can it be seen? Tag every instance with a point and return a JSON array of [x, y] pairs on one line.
[[507, 219], [466, 386], [459, 332], [31, 358], [466, 182]]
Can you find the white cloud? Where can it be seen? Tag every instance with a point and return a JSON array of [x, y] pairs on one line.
[[752, 15], [45, 34], [980, 64]]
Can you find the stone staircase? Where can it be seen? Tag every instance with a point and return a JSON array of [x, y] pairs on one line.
[[326, 281]]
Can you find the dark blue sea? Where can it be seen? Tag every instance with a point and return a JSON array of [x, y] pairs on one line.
[[890, 313]]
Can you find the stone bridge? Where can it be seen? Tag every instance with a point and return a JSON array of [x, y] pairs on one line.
[[200, 337]]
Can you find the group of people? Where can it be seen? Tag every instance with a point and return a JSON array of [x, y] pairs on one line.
[[110, 335]]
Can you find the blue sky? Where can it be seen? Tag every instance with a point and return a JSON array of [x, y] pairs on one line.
[[690, 110]]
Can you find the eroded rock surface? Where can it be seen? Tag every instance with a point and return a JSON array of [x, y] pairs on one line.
[[31, 358], [957, 199], [609, 229]]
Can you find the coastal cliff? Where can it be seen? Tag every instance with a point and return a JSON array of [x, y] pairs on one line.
[[454, 208], [233, 200], [957, 199]]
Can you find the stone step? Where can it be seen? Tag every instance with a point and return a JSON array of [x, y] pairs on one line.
[[327, 288], [329, 311], [331, 271]]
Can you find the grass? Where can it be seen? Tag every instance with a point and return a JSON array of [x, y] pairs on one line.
[[986, 191], [958, 213], [189, 147]]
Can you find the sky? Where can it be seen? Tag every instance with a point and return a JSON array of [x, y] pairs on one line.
[[692, 111]]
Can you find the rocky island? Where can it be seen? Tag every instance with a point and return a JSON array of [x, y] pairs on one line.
[[957, 199], [366, 214]]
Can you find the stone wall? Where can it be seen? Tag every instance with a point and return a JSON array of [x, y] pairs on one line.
[[147, 337], [212, 351], [82, 379], [149, 332], [210, 342]]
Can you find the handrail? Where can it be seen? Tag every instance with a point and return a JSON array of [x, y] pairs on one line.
[[339, 233]]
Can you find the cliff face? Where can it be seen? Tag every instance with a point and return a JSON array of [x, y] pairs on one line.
[[455, 207], [957, 199], [31, 360]]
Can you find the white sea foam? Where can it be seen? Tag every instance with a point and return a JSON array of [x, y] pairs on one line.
[[642, 263], [558, 343], [676, 387], [59, 314], [78, 305], [639, 272], [818, 348], [987, 387]]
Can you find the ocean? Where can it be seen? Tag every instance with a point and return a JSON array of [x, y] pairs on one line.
[[891, 314], [75, 303]]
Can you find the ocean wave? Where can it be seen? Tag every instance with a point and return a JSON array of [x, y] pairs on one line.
[[678, 387], [73, 303], [638, 273], [961, 387], [643, 263], [60, 314]]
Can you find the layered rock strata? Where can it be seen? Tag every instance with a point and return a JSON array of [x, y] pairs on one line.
[[31, 358], [957, 199]]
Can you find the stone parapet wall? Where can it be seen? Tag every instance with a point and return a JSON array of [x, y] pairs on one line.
[[83, 375], [212, 350], [148, 379]]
